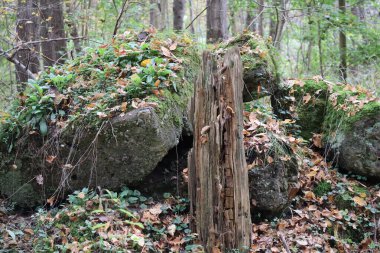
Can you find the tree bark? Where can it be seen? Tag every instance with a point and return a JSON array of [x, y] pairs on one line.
[[178, 14], [26, 29], [72, 26], [216, 20], [192, 30], [260, 25], [342, 44], [218, 180], [153, 14], [52, 27], [164, 9]]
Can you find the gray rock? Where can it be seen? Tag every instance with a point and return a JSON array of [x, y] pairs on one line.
[[124, 152], [273, 187], [359, 148]]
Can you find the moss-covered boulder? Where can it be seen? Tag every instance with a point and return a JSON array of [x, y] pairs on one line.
[[104, 119], [273, 164], [352, 130], [261, 76], [347, 117]]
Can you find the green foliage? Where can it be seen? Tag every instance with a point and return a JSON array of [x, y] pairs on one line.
[[322, 189], [113, 222], [103, 83]]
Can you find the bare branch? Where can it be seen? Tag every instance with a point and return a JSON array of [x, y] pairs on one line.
[[17, 63]]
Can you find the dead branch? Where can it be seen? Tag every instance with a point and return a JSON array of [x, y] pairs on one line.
[[17, 63]]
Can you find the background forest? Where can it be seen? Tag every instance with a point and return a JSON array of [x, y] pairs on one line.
[[220, 112], [333, 39]]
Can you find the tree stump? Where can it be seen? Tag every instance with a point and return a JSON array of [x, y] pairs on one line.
[[218, 176]]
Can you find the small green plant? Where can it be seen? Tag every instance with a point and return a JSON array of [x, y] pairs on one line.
[[322, 189]]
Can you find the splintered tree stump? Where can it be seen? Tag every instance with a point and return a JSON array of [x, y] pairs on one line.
[[218, 175]]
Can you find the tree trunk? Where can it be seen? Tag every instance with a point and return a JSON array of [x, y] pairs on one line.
[[58, 30], [164, 9], [26, 30], [218, 183], [277, 24], [192, 30], [320, 49], [72, 26], [216, 20], [178, 14], [153, 14], [260, 25], [342, 44]]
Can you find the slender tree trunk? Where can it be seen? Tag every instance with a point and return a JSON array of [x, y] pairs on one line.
[[216, 20], [72, 26], [58, 27], [249, 23], [192, 30], [164, 13], [52, 27], [26, 30], [218, 182], [320, 49], [342, 44], [260, 28], [153, 14], [178, 14], [277, 24]]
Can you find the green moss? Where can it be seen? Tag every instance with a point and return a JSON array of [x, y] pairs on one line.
[[323, 188], [311, 86], [12, 184]]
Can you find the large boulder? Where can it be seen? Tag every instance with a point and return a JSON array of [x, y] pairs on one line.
[[106, 119], [343, 118]]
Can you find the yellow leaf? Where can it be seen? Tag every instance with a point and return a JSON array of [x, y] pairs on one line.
[[124, 107], [360, 201], [145, 62]]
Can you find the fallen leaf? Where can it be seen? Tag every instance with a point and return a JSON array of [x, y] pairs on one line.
[[166, 52], [173, 46], [306, 98], [360, 201], [171, 229], [50, 159]]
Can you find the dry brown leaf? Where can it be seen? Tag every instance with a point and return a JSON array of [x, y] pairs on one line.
[[306, 98], [173, 46], [360, 201], [166, 52]]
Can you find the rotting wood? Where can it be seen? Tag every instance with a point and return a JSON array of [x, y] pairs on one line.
[[218, 175]]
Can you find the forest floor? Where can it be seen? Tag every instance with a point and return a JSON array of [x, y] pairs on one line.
[[331, 213]]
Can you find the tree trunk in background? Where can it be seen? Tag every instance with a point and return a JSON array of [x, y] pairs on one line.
[[178, 14], [52, 27], [70, 22], [26, 30], [260, 25], [58, 30], [342, 44], [216, 20], [153, 13], [47, 49], [249, 23], [277, 22], [218, 175], [192, 30], [164, 13], [320, 49]]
